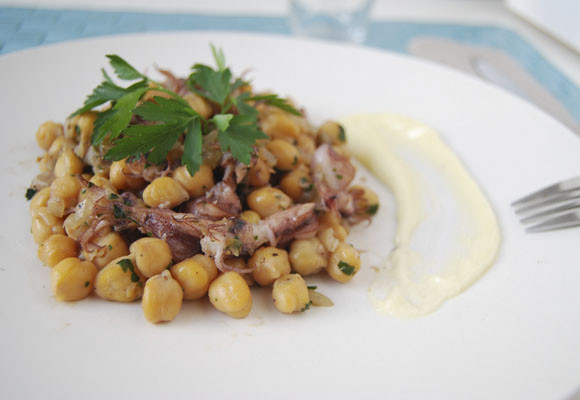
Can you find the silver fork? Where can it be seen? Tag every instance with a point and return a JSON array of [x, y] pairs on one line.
[[554, 207]]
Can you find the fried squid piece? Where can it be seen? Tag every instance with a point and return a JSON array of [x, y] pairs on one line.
[[332, 173], [228, 236], [221, 201]]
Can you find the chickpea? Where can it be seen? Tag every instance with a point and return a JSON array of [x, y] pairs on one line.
[[287, 156], [102, 182], [230, 294], [334, 221], [39, 200], [297, 183], [308, 256], [307, 146], [66, 190], [56, 248], [327, 238], [207, 264], [60, 143], [343, 263], [152, 255], [259, 174], [192, 277], [332, 133], [111, 246], [45, 224], [368, 201], [119, 281], [86, 123], [71, 128], [68, 164], [121, 179], [162, 298], [250, 216], [72, 279], [199, 104], [47, 133], [198, 184], [268, 200], [290, 294], [165, 192], [268, 264], [280, 125]]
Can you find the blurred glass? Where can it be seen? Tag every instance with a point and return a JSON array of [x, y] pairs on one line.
[[344, 20]]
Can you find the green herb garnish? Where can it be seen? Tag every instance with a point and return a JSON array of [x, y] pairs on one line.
[[312, 287], [372, 209], [127, 265], [172, 118], [345, 268], [341, 134], [30, 192], [113, 196]]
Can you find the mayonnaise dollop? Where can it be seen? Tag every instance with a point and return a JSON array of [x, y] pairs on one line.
[[447, 233]]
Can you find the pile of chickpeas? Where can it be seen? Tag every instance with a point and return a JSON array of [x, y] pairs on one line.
[[120, 271]]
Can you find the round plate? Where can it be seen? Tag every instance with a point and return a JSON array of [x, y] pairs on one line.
[[514, 334]]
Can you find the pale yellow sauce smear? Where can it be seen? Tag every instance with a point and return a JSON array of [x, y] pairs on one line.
[[420, 169]]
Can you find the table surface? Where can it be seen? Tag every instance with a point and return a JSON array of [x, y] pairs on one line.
[[477, 12]]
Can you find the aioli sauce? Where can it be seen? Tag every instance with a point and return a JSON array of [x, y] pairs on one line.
[[447, 233]]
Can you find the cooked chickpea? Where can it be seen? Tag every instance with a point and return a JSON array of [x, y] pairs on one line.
[[297, 182], [250, 216], [344, 263], [152, 255], [199, 104], [60, 143], [198, 184], [290, 294], [230, 294], [111, 246], [72, 279], [102, 182], [121, 179], [307, 146], [280, 125], [192, 277], [268, 200], [332, 133], [68, 164], [208, 264], [119, 281], [259, 174], [308, 256], [47, 133], [45, 224], [65, 190], [162, 298], [368, 201], [287, 156], [56, 248], [164, 192], [86, 123], [334, 221], [268, 264], [39, 200], [327, 238]]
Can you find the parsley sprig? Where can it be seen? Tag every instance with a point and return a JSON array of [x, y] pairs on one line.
[[168, 120]]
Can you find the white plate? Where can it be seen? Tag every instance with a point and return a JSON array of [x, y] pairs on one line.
[[514, 334]]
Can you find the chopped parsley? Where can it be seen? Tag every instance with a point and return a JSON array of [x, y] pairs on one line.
[[345, 268], [113, 196], [87, 283], [312, 287], [372, 209], [30, 192], [307, 306], [127, 265], [341, 134]]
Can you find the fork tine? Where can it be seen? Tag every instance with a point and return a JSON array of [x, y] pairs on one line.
[[551, 211], [548, 201], [564, 186], [559, 222]]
